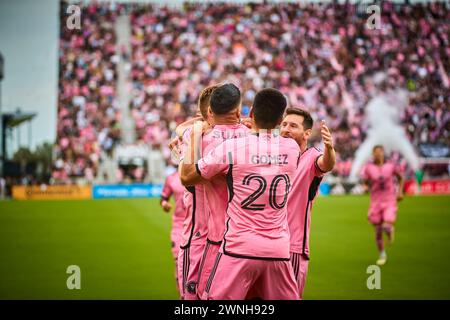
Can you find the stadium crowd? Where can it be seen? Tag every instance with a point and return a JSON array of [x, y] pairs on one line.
[[320, 56], [88, 113]]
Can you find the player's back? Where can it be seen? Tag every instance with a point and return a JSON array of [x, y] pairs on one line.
[[216, 191], [259, 178]]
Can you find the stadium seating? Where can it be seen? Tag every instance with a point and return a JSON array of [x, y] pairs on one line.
[[320, 56]]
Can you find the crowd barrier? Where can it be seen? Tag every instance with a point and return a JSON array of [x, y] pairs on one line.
[[428, 187], [118, 191], [126, 191], [52, 192], [71, 192]]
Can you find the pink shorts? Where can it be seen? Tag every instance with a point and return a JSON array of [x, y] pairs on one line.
[[238, 279], [206, 265], [300, 266], [383, 212], [175, 238], [188, 265]]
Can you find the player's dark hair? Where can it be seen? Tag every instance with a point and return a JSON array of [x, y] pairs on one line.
[[268, 108], [377, 146], [225, 98], [308, 121]]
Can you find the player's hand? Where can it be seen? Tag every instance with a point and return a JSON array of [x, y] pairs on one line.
[[400, 196], [365, 188], [326, 135], [166, 206], [248, 122], [181, 128], [173, 144]]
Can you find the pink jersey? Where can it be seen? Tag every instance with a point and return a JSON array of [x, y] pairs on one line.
[[304, 189], [173, 187], [259, 169], [381, 181], [216, 191], [194, 224]]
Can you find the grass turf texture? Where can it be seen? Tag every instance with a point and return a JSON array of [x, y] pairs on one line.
[[123, 250]]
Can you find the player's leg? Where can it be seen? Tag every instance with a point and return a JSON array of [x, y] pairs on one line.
[[380, 244], [181, 270], [302, 274], [193, 265], [206, 266], [230, 279], [300, 268], [277, 281], [389, 218], [175, 252], [376, 219]]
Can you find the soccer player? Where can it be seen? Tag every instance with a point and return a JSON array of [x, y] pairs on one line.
[[225, 110], [297, 124], [379, 178], [253, 260], [193, 233], [223, 123], [173, 187]]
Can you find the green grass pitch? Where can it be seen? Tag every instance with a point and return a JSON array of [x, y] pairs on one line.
[[123, 250]]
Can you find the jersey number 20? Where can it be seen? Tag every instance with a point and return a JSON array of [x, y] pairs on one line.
[[249, 204]]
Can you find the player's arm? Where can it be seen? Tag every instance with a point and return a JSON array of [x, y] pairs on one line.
[[326, 161], [366, 185], [189, 175], [401, 181], [365, 179], [165, 196], [188, 170], [213, 164], [181, 128]]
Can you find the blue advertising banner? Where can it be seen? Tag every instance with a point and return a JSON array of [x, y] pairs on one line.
[[126, 191]]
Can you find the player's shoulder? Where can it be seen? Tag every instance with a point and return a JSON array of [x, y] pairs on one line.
[[391, 165], [242, 128], [311, 152], [289, 143], [366, 167]]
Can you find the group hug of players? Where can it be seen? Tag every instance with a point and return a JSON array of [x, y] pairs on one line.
[[243, 197]]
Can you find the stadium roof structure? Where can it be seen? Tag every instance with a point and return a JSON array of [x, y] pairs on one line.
[[11, 120]]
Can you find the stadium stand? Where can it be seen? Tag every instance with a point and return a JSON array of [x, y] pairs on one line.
[[320, 56]]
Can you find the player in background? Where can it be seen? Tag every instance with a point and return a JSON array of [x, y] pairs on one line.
[[253, 260], [225, 110], [173, 187], [379, 176], [193, 233], [297, 124]]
